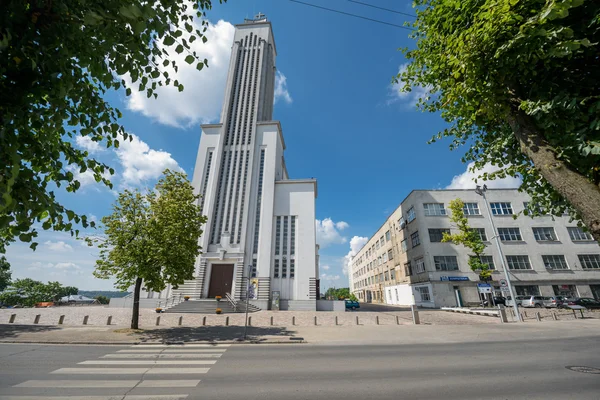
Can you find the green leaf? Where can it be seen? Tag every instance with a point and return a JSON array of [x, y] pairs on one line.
[[189, 59], [179, 49], [168, 40], [199, 66]]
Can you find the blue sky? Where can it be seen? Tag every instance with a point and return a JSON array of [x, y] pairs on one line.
[[342, 120]]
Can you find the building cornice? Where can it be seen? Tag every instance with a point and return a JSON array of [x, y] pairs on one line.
[[295, 181], [279, 130], [208, 126]]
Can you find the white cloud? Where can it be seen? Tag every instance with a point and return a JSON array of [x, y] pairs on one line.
[[329, 232], [58, 246], [281, 90], [141, 163], [203, 90], [356, 243], [466, 180], [86, 143], [326, 277], [409, 98], [325, 267], [86, 179], [92, 218], [67, 265]]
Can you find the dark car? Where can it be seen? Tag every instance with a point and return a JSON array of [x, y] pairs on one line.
[[499, 300], [582, 301], [352, 305]]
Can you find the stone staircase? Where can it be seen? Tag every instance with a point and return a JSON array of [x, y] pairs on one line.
[[208, 306]]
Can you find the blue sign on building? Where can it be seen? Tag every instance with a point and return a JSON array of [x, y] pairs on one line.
[[454, 278]]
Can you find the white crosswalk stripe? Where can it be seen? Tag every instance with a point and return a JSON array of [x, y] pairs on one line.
[[150, 362]]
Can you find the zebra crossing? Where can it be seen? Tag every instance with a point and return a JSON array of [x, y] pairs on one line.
[[155, 372]]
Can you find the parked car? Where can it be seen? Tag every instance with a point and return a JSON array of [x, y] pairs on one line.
[[520, 299], [554, 301], [352, 305], [582, 301], [533, 301], [500, 300]]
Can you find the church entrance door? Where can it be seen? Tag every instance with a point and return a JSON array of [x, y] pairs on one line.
[[220, 280]]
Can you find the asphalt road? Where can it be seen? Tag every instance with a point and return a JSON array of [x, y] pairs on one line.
[[499, 370]]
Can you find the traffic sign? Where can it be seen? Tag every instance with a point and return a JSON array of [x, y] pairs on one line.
[[503, 283], [505, 291]]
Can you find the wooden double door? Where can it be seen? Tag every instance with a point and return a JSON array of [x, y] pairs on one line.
[[221, 278]]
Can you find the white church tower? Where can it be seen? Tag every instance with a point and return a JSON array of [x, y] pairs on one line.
[[260, 222]]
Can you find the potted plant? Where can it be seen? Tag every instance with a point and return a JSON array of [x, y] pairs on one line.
[[158, 310], [218, 298], [219, 311], [186, 298]]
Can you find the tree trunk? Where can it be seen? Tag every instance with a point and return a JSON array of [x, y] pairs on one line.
[[135, 317], [582, 194]]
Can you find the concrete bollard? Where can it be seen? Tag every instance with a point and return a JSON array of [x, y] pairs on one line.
[[336, 321], [357, 320], [415, 315], [85, 319], [158, 321], [203, 321], [293, 320], [397, 320], [271, 320], [502, 313], [109, 320], [11, 320], [226, 321], [36, 320], [315, 320], [180, 321], [522, 317], [538, 316], [61, 319], [377, 320], [249, 321], [525, 313], [554, 316]]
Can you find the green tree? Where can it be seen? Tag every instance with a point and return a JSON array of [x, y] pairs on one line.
[[58, 60], [25, 292], [102, 299], [517, 81], [151, 238], [469, 238], [5, 273]]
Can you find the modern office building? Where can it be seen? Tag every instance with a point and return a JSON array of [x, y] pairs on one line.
[[260, 223], [406, 263]]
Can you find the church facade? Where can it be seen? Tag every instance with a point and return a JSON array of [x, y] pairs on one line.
[[261, 223]]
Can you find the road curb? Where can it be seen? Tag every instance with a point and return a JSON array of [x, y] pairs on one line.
[[134, 343]]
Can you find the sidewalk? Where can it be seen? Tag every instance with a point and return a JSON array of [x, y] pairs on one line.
[[342, 335]]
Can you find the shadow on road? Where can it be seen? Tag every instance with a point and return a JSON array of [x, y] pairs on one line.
[[12, 331], [212, 333]]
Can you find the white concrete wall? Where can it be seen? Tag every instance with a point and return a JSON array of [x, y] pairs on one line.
[[331, 305]]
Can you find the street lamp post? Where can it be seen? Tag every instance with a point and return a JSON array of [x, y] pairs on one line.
[[481, 191]]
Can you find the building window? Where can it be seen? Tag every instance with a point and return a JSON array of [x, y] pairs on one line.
[[481, 233], [410, 214], [527, 290], [434, 209], [424, 293], [578, 234], [276, 269], [414, 238], [390, 254], [589, 261], [397, 299], [377, 245], [259, 199], [387, 276], [384, 257], [388, 236], [487, 260], [509, 234], [436, 235], [404, 246], [518, 262], [544, 234], [285, 234], [293, 237], [254, 267], [419, 266], [471, 209], [555, 262], [407, 269], [284, 268], [292, 268], [277, 235], [501, 208], [382, 241], [445, 263]]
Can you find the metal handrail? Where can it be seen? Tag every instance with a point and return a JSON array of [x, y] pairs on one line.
[[173, 299], [231, 300]]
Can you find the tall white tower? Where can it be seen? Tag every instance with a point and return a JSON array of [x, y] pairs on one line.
[[260, 223]]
